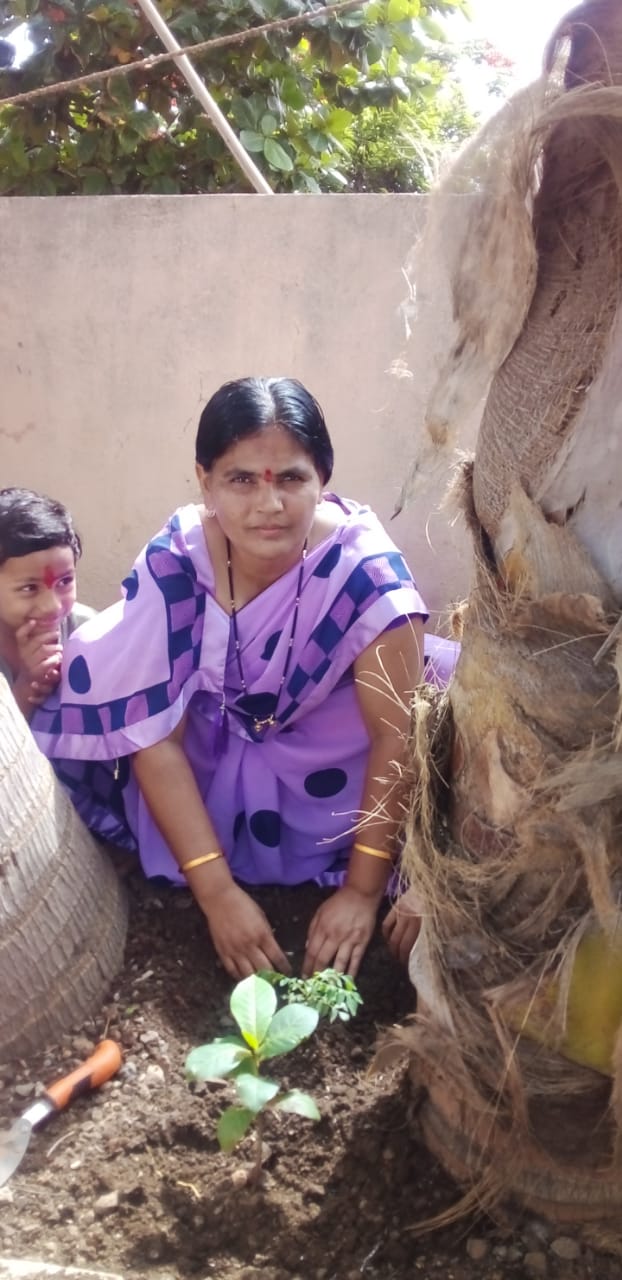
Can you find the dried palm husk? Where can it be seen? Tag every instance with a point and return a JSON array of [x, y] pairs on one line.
[[513, 838]]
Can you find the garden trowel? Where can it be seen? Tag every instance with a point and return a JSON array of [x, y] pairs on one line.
[[102, 1064]]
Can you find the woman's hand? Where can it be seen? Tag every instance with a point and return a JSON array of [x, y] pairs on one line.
[[400, 929], [340, 931], [241, 933], [239, 929]]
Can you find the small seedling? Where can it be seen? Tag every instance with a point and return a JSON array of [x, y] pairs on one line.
[[333, 994], [266, 1032]]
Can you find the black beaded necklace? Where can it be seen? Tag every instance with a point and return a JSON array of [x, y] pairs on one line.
[[260, 725]]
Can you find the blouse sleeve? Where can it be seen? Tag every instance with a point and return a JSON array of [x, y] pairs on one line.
[[129, 672]]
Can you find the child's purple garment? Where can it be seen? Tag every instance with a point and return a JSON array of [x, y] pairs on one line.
[[283, 802]]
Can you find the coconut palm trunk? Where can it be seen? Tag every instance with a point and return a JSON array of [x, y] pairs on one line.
[[515, 835], [62, 911]]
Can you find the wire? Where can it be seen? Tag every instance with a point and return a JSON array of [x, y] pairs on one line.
[[218, 42]]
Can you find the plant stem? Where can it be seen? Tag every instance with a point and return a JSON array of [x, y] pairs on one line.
[[256, 1171]]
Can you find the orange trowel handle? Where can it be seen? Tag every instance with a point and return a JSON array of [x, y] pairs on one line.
[[101, 1065]]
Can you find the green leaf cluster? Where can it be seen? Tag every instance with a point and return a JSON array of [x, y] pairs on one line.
[[329, 110], [265, 1032], [334, 995]]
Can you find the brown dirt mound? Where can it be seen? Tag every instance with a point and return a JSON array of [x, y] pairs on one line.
[[132, 1180]]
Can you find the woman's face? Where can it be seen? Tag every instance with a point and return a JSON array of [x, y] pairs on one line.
[[264, 491]]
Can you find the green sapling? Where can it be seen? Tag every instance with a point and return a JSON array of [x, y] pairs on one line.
[[333, 994], [265, 1032]]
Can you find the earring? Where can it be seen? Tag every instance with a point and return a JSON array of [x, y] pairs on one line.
[[210, 513]]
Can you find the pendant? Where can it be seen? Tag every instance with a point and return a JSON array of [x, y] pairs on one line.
[[260, 725]]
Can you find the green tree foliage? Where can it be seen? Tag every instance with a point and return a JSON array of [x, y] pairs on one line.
[[358, 101]]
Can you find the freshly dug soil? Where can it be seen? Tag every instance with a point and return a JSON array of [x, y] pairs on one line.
[[131, 1179]]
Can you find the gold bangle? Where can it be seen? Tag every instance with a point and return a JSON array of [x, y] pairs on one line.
[[374, 853], [198, 862]]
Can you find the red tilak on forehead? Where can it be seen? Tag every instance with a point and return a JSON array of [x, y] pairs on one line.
[[49, 577], [268, 474]]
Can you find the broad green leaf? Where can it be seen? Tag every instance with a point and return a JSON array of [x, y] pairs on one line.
[[336, 176], [432, 28], [18, 158], [300, 1104], [410, 48], [252, 1004], [44, 185], [127, 141], [244, 113], [289, 1027], [163, 185], [317, 140], [270, 975], [339, 121], [251, 140], [42, 159], [118, 173], [254, 1092], [145, 123], [374, 52], [120, 90], [398, 10], [394, 63], [354, 18], [276, 156], [216, 1060], [232, 1126], [95, 184], [87, 146], [269, 125], [183, 22], [293, 95]]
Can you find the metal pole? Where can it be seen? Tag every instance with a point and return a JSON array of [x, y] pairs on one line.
[[219, 121]]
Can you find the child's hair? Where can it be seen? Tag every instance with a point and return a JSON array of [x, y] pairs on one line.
[[32, 522]]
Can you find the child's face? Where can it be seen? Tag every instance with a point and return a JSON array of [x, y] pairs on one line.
[[40, 586]]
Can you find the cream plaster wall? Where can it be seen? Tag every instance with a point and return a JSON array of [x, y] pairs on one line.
[[120, 315]]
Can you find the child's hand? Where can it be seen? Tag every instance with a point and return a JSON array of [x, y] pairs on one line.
[[40, 654]]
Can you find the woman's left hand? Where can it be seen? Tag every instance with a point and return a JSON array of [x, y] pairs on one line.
[[340, 931], [400, 929]]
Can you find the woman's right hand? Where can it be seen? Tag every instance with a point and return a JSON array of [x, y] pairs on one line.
[[239, 929], [241, 933]]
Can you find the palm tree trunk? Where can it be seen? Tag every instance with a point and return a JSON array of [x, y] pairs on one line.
[[63, 915], [517, 855]]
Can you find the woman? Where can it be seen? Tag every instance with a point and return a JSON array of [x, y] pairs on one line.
[[258, 676]]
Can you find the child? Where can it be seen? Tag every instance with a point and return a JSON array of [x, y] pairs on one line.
[[39, 548]]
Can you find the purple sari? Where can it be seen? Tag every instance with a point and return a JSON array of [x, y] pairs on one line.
[[284, 801]]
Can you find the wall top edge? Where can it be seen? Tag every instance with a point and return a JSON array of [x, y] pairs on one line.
[[360, 197]]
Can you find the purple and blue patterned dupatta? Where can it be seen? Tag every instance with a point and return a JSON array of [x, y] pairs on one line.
[[283, 801]]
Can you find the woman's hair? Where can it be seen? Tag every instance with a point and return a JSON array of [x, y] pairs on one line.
[[32, 522], [242, 408]]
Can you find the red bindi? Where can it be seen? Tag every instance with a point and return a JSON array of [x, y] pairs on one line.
[[268, 475], [49, 577]]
